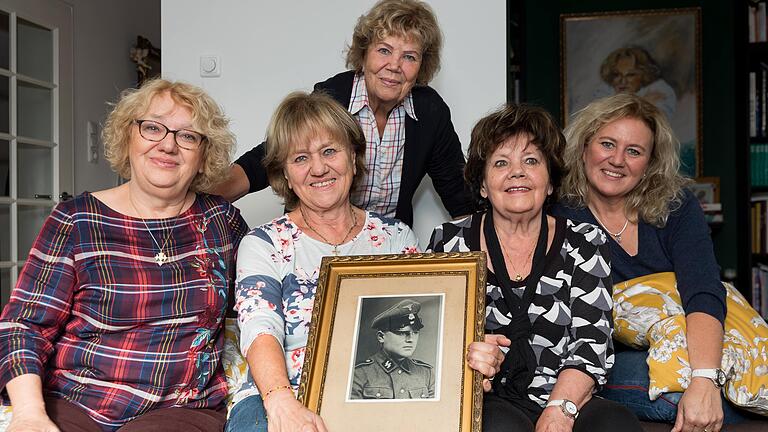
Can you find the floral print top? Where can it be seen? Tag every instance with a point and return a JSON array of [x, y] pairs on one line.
[[277, 270]]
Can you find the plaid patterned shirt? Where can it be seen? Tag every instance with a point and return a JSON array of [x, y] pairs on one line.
[[106, 327], [380, 189]]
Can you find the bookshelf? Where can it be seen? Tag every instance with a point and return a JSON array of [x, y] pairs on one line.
[[752, 95], [515, 51]]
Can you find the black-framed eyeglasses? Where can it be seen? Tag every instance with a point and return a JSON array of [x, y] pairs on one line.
[[155, 131]]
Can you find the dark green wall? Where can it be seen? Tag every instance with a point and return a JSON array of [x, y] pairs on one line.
[[719, 152]]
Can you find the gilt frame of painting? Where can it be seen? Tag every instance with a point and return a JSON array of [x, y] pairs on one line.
[[653, 53]]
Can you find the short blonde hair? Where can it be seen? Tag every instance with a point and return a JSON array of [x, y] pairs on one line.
[[207, 117], [660, 190], [408, 19], [302, 116]]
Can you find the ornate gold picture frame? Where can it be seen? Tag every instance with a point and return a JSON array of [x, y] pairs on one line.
[[445, 292]]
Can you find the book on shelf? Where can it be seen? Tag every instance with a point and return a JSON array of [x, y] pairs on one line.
[[760, 289], [758, 157], [753, 104], [759, 224], [756, 22]]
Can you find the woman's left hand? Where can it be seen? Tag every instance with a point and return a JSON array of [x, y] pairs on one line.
[[700, 409], [486, 357], [552, 419]]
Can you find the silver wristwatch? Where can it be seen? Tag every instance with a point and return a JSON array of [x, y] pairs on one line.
[[716, 375], [568, 408]]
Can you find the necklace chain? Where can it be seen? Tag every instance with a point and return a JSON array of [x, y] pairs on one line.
[[615, 235], [518, 276], [160, 258], [335, 245]]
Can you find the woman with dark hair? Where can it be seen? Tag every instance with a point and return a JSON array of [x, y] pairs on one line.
[[394, 54], [548, 344]]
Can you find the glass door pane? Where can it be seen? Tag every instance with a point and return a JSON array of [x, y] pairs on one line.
[[5, 41], [5, 232], [5, 169], [5, 285], [35, 171], [31, 219], [35, 111], [5, 104], [34, 50]]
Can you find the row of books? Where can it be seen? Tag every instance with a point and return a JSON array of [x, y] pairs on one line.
[[758, 30], [758, 157], [760, 289], [758, 101], [759, 223]]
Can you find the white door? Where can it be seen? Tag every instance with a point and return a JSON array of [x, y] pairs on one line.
[[35, 124]]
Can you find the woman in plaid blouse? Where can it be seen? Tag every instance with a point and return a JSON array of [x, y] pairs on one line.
[[117, 317]]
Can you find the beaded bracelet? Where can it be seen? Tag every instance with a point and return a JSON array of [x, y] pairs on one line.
[[274, 389]]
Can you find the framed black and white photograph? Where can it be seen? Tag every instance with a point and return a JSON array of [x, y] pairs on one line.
[[387, 345], [396, 346], [655, 54]]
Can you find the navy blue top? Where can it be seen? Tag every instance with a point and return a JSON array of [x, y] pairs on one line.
[[683, 246]]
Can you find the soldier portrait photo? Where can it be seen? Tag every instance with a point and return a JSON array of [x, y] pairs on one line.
[[396, 354]]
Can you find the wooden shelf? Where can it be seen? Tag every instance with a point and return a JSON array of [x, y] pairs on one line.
[[760, 258]]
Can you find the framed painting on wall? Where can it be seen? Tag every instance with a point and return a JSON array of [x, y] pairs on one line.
[[653, 53], [388, 340]]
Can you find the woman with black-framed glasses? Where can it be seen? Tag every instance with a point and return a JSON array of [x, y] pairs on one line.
[[117, 318]]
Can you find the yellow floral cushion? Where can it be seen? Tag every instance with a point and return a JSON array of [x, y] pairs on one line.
[[235, 366], [647, 314], [5, 417]]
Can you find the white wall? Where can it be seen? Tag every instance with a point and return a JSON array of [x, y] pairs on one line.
[[269, 48], [104, 32]]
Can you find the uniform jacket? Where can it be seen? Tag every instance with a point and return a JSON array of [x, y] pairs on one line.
[[380, 377], [431, 147]]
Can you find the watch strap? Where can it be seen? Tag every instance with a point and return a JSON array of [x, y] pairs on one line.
[[561, 403], [716, 375]]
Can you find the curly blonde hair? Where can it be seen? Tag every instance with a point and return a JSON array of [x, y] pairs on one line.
[[302, 116], [407, 19], [207, 117], [661, 189]]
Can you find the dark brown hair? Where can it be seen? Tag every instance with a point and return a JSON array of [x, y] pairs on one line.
[[511, 120]]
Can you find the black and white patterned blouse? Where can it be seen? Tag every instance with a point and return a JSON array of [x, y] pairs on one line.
[[571, 311]]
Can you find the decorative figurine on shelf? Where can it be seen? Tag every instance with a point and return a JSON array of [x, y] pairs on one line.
[[147, 59]]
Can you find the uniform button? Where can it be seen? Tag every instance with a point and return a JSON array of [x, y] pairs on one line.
[[378, 395], [402, 390], [399, 372]]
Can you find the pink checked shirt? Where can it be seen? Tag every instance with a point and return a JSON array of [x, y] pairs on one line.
[[380, 189]]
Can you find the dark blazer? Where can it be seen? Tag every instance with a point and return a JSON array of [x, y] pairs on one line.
[[431, 147]]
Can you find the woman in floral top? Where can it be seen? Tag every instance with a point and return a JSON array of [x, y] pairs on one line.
[[315, 156], [117, 318]]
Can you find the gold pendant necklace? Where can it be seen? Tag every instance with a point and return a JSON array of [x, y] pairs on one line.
[[518, 276], [160, 257], [335, 250]]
